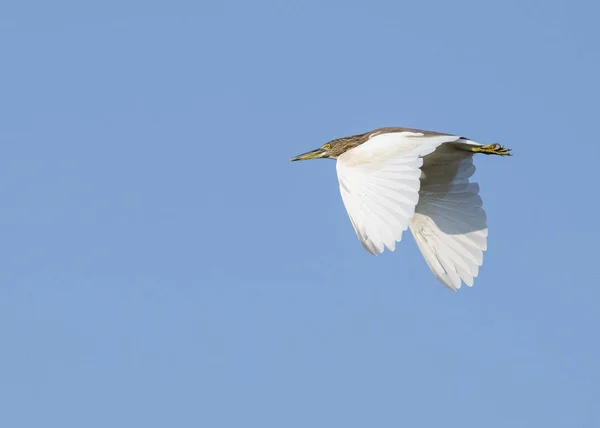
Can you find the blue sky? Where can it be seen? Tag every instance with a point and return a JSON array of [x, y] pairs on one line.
[[163, 264]]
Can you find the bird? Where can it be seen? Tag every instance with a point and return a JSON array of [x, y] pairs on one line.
[[394, 178]]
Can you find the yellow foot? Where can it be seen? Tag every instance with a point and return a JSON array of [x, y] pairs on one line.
[[493, 149]]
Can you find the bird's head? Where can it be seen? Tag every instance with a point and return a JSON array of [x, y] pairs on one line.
[[333, 148]]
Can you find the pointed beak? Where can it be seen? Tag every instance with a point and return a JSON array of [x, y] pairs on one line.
[[315, 154]]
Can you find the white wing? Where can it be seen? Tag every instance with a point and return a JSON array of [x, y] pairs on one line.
[[449, 224], [379, 182]]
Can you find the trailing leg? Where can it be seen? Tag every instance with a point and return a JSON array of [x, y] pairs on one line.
[[490, 149]]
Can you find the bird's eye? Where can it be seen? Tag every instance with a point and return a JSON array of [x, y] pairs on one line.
[[326, 146]]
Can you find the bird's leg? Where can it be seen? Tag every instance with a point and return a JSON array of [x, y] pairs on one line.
[[490, 149], [493, 149]]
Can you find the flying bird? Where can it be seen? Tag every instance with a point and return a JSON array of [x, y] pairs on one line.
[[395, 178]]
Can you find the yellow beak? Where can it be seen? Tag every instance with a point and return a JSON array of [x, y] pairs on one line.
[[315, 154]]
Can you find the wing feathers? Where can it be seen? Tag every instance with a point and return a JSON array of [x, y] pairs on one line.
[[449, 224], [380, 182], [402, 178]]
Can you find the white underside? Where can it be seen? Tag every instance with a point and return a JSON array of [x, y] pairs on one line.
[[406, 179]]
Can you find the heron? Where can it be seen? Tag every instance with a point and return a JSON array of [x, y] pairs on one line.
[[392, 179]]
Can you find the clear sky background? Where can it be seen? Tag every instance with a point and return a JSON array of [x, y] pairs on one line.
[[164, 265]]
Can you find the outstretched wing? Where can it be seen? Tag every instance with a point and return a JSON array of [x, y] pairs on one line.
[[379, 183], [449, 224]]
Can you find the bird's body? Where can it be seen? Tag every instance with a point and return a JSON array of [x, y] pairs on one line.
[[395, 178]]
